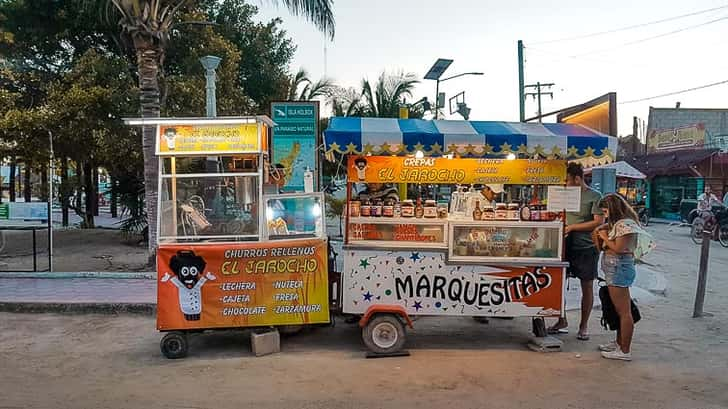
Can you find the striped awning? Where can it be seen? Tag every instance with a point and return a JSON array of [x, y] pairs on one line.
[[388, 136]]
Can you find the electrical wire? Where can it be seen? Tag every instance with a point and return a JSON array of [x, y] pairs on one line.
[[642, 40], [675, 92], [579, 37]]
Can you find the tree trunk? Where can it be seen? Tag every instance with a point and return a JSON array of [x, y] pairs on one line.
[[148, 63], [112, 205], [27, 186], [11, 181], [95, 184], [88, 208], [64, 190]]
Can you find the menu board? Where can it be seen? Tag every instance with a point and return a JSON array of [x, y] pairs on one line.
[[242, 285], [562, 198]]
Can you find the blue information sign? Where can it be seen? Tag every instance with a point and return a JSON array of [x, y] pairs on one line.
[[295, 139]]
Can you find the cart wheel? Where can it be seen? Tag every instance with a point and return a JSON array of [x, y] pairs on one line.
[[174, 345], [384, 334], [539, 327]]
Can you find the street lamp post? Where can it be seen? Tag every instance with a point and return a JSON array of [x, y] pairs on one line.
[[436, 72], [210, 62]]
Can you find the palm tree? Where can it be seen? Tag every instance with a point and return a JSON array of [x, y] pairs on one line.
[[385, 97], [346, 102], [147, 23], [311, 90]]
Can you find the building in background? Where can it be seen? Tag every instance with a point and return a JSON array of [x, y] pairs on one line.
[[685, 151]]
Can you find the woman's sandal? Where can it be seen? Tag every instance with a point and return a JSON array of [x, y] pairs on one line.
[[582, 336]]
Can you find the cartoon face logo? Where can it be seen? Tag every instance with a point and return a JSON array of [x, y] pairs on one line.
[[169, 135], [187, 267], [360, 165]]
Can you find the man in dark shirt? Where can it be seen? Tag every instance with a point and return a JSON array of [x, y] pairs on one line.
[[581, 253]]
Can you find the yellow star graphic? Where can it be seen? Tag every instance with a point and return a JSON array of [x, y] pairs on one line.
[[335, 147], [436, 148], [385, 147], [453, 148], [487, 149], [522, 148], [470, 148], [572, 152], [351, 148], [419, 147], [607, 152], [505, 148], [538, 150], [589, 152], [368, 148], [556, 151]]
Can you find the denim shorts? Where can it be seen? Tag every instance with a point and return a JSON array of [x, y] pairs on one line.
[[619, 269]]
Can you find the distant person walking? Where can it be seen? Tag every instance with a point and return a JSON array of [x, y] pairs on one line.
[[623, 241]]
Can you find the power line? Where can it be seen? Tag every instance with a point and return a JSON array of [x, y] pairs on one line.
[[676, 92], [579, 37], [642, 40]]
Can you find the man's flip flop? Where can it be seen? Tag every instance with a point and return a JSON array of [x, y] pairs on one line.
[[557, 331], [582, 337]]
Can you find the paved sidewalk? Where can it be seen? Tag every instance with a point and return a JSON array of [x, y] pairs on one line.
[[78, 290]]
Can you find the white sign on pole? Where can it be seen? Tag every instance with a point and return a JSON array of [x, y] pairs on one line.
[[564, 198]]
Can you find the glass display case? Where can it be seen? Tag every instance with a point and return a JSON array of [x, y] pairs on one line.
[[506, 241], [390, 232], [294, 216]]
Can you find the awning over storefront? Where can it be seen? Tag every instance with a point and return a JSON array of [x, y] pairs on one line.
[[624, 170], [388, 136], [671, 163]]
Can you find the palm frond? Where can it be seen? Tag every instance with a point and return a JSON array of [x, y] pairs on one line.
[[318, 12]]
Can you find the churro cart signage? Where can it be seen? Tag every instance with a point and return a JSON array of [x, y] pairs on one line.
[[238, 285], [393, 169], [425, 283], [207, 139]]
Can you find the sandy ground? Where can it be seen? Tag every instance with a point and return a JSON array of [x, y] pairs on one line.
[[74, 250], [53, 361]]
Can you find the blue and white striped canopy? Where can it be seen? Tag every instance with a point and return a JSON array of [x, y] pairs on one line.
[[388, 136]]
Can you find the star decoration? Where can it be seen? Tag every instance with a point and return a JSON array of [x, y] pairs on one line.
[[522, 148], [417, 305], [538, 150], [589, 152], [436, 148], [385, 147], [506, 147], [415, 256], [419, 147], [453, 148], [364, 263], [470, 148], [351, 148], [368, 148], [335, 147], [572, 152], [368, 296], [487, 149], [608, 153], [556, 151]]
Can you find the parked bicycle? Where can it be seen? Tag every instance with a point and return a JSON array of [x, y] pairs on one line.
[[715, 221]]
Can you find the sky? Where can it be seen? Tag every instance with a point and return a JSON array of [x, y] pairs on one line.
[[481, 35]]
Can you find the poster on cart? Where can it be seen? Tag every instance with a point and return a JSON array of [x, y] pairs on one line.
[[425, 284], [242, 284]]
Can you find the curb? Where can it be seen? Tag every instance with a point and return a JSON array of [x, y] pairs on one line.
[[83, 274], [78, 308]]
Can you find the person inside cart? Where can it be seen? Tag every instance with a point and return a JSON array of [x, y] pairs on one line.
[[379, 191], [489, 194], [581, 253]]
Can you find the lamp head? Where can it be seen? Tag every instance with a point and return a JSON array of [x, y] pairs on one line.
[[210, 62]]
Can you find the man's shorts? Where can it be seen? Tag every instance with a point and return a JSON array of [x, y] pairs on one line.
[[583, 263]]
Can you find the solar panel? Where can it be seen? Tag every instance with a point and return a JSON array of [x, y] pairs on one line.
[[438, 69]]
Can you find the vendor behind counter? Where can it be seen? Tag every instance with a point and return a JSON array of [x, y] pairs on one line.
[[378, 191]]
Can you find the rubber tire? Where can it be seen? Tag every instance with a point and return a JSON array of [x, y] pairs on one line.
[[539, 327], [645, 220], [389, 320], [174, 345], [723, 235], [696, 230]]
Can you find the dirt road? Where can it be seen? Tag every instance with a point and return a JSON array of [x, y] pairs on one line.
[[53, 361]]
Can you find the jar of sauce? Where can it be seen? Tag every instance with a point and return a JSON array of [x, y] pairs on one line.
[[501, 211], [388, 208], [419, 209], [488, 213], [354, 208], [513, 211], [366, 209], [430, 210], [408, 208], [377, 208]]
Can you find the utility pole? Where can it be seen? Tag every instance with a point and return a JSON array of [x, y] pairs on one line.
[[521, 89], [538, 94]]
